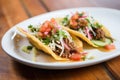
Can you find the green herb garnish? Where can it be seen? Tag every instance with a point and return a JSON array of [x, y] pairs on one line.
[[65, 21], [98, 25], [46, 40], [33, 29], [62, 34], [27, 49], [81, 14], [30, 26]]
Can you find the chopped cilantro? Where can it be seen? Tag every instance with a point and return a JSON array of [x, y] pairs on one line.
[[84, 58], [29, 47], [30, 26], [59, 34], [46, 40], [33, 29], [65, 21], [98, 25], [81, 14], [56, 37], [62, 33]]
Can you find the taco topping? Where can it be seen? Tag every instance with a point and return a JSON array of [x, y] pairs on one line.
[[59, 40], [87, 26]]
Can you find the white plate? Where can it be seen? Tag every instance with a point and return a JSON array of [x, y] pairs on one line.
[[109, 17]]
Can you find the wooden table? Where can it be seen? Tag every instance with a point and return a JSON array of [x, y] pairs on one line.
[[14, 11]]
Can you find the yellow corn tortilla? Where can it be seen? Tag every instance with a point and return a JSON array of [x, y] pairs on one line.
[[76, 33], [38, 44]]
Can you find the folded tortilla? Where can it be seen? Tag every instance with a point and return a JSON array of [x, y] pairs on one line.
[[80, 35], [39, 45]]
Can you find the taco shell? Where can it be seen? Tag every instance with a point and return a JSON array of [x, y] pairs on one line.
[[39, 45], [76, 33]]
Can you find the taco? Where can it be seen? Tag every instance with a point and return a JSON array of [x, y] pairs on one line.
[[87, 28], [53, 40]]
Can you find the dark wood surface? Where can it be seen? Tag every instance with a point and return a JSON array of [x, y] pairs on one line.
[[15, 11]]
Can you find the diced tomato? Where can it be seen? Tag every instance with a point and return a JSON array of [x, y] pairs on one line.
[[45, 33], [42, 29], [48, 29], [44, 26], [110, 47], [40, 34], [75, 57], [75, 16], [73, 24], [73, 21], [53, 20]]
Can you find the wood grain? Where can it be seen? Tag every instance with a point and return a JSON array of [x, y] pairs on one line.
[[9, 16], [113, 65], [73, 74], [12, 13], [4, 59], [34, 7]]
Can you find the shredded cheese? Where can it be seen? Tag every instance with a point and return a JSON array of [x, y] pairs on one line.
[[68, 36], [52, 45], [61, 40]]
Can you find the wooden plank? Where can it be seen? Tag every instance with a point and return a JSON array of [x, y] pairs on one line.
[[10, 14], [34, 7], [3, 28], [86, 73], [114, 67], [63, 4], [13, 11], [4, 59]]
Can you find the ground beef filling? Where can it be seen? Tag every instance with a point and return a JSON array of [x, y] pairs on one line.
[[82, 23], [100, 34], [67, 52]]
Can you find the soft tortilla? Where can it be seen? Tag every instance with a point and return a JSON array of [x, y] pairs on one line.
[[76, 33], [36, 42]]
